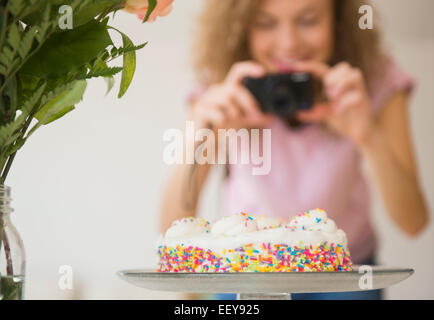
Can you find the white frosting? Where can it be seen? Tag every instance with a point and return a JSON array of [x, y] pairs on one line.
[[308, 219], [234, 225], [265, 222], [187, 226], [309, 228]]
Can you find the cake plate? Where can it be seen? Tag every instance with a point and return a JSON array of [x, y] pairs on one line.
[[268, 285]]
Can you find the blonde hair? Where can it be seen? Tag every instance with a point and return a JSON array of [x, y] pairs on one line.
[[222, 37]]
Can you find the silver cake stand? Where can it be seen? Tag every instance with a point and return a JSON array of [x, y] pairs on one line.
[[268, 285]]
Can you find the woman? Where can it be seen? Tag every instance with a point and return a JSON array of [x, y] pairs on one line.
[[316, 156]]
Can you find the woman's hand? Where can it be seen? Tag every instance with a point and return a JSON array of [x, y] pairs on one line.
[[229, 104], [348, 110]]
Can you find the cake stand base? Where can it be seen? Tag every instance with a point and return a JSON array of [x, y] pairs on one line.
[[263, 296], [268, 285]]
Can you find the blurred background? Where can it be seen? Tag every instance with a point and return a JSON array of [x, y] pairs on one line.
[[86, 189]]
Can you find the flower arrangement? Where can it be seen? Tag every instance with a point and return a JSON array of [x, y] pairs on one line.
[[48, 51], [44, 68]]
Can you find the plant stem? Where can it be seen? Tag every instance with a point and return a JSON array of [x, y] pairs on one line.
[[8, 166], [9, 265], [1, 234], [23, 61], [3, 31], [12, 156], [4, 239]]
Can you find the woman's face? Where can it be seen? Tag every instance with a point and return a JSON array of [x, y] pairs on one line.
[[284, 31]]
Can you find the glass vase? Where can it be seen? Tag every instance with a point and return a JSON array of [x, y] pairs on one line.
[[12, 256]]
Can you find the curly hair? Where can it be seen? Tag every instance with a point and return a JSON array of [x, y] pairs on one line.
[[222, 37]]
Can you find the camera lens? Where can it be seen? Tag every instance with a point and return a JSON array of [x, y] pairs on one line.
[[283, 100]]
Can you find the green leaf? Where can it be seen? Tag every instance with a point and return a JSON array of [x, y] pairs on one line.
[[30, 103], [106, 72], [10, 131], [105, 21], [67, 51], [31, 6], [114, 51], [129, 64], [83, 11], [42, 29], [2, 70], [129, 67], [62, 104], [27, 85], [3, 60], [10, 289], [13, 64], [15, 147], [129, 61], [55, 90], [8, 55], [14, 36], [91, 10], [110, 81], [26, 43], [60, 114], [122, 50], [10, 93], [15, 6], [43, 10], [152, 4]]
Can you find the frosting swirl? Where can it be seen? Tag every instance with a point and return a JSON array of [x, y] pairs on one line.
[[188, 226], [265, 222], [234, 225], [309, 228], [313, 220]]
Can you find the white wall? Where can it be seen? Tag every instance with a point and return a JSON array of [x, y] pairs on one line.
[[86, 189], [409, 35]]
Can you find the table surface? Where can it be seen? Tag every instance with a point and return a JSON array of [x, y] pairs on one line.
[[360, 278]]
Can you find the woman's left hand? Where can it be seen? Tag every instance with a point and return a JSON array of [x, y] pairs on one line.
[[348, 110]]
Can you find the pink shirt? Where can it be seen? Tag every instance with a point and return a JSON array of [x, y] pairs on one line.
[[311, 168]]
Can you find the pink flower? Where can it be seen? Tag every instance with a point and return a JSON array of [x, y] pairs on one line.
[[140, 7]]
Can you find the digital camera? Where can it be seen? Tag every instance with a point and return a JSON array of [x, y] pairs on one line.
[[282, 94]]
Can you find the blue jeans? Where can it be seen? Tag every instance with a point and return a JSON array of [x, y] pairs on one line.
[[349, 295]]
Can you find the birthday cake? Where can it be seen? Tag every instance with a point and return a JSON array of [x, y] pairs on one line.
[[309, 241]]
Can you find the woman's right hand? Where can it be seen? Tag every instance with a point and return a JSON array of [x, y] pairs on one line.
[[229, 104]]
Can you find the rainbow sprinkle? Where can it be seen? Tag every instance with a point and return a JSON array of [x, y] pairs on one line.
[[267, 257]]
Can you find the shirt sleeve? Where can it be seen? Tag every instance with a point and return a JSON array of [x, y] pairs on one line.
[[387, 80]]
